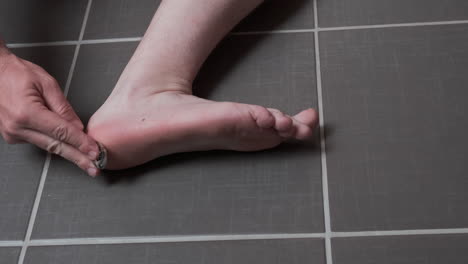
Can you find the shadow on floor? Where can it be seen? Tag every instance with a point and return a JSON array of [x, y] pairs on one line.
[[287, 149]]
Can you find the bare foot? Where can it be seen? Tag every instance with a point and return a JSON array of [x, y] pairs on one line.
[[138, 128]]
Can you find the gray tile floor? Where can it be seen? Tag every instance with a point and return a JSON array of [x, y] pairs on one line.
[[9, 254], [266, 192], [294, 251], [384, 182]]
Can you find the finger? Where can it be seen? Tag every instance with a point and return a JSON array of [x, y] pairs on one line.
[[57, 102], [51, 124], [62, 149]]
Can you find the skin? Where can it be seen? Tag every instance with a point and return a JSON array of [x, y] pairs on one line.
[[152, 112], [33, 109]]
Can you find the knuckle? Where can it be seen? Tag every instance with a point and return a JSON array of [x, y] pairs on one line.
[[60, 133], [18, 116], [9, 139], [50, 81], [21, 117], [11, 129], [55, 147], [64, 108]]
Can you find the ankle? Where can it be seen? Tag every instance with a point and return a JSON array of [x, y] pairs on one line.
[[136, 86], [174, 84]]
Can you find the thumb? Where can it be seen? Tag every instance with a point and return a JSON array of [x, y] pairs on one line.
[[55, 100]]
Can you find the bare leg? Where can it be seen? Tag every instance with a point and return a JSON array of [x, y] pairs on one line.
[[152, 111]]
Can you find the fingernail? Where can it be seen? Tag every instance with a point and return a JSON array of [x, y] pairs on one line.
[[93, 155], [92, 172]]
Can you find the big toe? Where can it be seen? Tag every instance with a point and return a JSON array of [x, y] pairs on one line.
[[308, 117], [305, 122]]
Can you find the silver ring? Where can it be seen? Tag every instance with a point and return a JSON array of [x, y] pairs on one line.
[[101, 160]]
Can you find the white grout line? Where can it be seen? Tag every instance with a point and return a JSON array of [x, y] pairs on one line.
[[42, 44], [113, 40], [11, 243], [45, 170], [286, 31], [168, 239], [37, 200], [77, 49], [408, 232], [323, 153], [414, 24], [73, 42], [201, 238]]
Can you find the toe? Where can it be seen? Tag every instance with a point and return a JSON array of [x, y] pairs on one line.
[[283, 123], [302, 131], [305, 122], [308, 117], [289, 133], [262, 116]]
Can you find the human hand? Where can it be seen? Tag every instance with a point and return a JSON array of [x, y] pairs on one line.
[[33, 109]]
